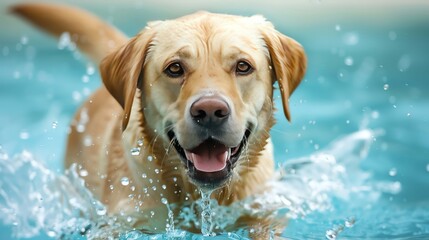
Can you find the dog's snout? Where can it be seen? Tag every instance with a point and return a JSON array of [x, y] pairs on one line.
[[209, 111]]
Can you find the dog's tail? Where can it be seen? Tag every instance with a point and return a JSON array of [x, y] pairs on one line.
[[91, 35]]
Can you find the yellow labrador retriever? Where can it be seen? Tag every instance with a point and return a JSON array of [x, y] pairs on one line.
[[186, 104]]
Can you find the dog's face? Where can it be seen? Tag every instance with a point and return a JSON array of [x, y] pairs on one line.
[[207, 83]]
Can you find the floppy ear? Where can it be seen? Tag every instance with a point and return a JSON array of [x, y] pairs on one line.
[[289, 63], [122, 69]]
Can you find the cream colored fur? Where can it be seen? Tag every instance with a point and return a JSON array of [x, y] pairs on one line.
[[137, 99]]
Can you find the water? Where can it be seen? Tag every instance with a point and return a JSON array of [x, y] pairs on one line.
[[60, 205], [206, 213], [352, 165]]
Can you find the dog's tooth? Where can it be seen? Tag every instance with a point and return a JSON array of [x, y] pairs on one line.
[[235, 150], [189, 156], [228, 156]]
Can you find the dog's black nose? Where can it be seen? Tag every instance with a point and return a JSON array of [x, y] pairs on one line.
[[210, 111]]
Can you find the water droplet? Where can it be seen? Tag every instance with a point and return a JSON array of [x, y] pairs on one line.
[[386, 87], [164, 186], [152, 213], [90, 70], [51, 233], [144, 175], [111, 187], [350, 222], [87, 141], [164, 201], [337, 28], [83, 172], [80, 128], [351, 38], [77, 97], [129, 219], [348, 121], [85, 78], [32, 175], [427, 167], [331, 234], [348, 61], [135, 151], [375, 114], [174, 179], [125, 181], [101, 211], [54, 124], [154, 188], [64, 40], [149, 158], [140, 142], [16, 75], [24, 135], [156, 170], [24, 40], [408, 114], [394, 106]]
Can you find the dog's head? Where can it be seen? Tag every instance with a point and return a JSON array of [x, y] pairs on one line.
[[207, 85]]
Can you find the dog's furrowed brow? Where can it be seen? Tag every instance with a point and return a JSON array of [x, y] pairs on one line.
[[184, 53]]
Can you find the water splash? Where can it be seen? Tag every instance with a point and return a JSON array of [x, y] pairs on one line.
[[206, 213], [169, 227], [66, 42], [61, 205], [40, 200]]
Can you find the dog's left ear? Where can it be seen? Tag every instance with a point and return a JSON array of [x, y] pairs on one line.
[[289, 62], [122, 69]]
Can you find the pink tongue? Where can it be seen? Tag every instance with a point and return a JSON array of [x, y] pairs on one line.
[[209, 156]]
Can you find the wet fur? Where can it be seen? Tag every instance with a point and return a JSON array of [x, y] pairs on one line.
[[125, 110]]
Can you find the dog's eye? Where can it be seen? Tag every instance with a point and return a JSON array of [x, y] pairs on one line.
[[243, 68], [174, 70]]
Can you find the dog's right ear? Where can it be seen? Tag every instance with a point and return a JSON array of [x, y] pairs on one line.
[[122, 69]]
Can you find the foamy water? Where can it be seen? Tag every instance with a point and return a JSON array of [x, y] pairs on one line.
[[33, 199]]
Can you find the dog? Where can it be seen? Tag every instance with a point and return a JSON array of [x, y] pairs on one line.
[[186, 104]]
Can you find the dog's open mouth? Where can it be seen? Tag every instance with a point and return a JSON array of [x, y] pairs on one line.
[[210, 164]]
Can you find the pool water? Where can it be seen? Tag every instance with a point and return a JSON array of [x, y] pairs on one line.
[[353, 164]]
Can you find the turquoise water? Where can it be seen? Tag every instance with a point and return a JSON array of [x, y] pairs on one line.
[[353, 164]]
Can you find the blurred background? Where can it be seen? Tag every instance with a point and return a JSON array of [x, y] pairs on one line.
[[368, 66]]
